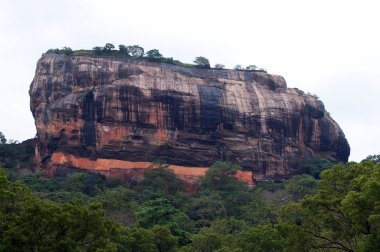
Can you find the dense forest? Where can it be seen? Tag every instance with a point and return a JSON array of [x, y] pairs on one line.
[[331, 207]]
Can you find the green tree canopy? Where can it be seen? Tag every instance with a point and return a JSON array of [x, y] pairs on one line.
[[343, 214], [136, 51], [154, 55], [300, 186], [238, 67], [221, 233], [206, 208], [220, 175], [31, 224], [156, 212], [219, 66], [373, 158], [202, 62], [258, 212], [251, 67], [123, 49], [317, 164], [262, 238], [108, 47], [161, 180], [97, 50], [67, 50], [3, 140], [161, 212]]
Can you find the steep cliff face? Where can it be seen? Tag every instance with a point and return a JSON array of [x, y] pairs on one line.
[[115, 109]]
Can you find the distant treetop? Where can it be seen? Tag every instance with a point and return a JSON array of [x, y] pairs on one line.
[[3, 140], [154, 55], [373, 158], [219, 66], [202, 62], [136, 51]]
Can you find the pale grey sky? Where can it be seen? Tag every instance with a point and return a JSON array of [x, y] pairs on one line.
[[330, 48]]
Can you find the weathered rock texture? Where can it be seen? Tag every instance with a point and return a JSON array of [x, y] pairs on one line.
[[115, 109]]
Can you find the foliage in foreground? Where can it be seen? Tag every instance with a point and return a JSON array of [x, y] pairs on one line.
[[29, 223], [86, 212], [343, 214]]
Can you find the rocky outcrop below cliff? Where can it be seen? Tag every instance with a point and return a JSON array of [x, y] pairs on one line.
[[117, 109]]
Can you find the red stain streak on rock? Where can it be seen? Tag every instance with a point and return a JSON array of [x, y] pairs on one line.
[[245, 176]]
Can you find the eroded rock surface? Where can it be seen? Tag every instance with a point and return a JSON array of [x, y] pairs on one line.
[[116, 109]]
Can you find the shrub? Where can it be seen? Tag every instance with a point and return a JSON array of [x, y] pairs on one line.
[[202, 62], [219, 66], [238, 67]]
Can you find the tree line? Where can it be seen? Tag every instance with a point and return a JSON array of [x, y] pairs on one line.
[[85, 213], [331, 207], [137, 52]]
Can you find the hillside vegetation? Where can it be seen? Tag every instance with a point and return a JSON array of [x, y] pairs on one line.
[[335, 210]]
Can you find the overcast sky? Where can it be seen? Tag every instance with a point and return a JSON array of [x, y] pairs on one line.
[[329, 48]]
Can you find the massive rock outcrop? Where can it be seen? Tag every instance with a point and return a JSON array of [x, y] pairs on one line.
[[106, 113]]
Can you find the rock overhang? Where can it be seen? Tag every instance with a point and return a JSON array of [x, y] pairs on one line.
[[104, 108]]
